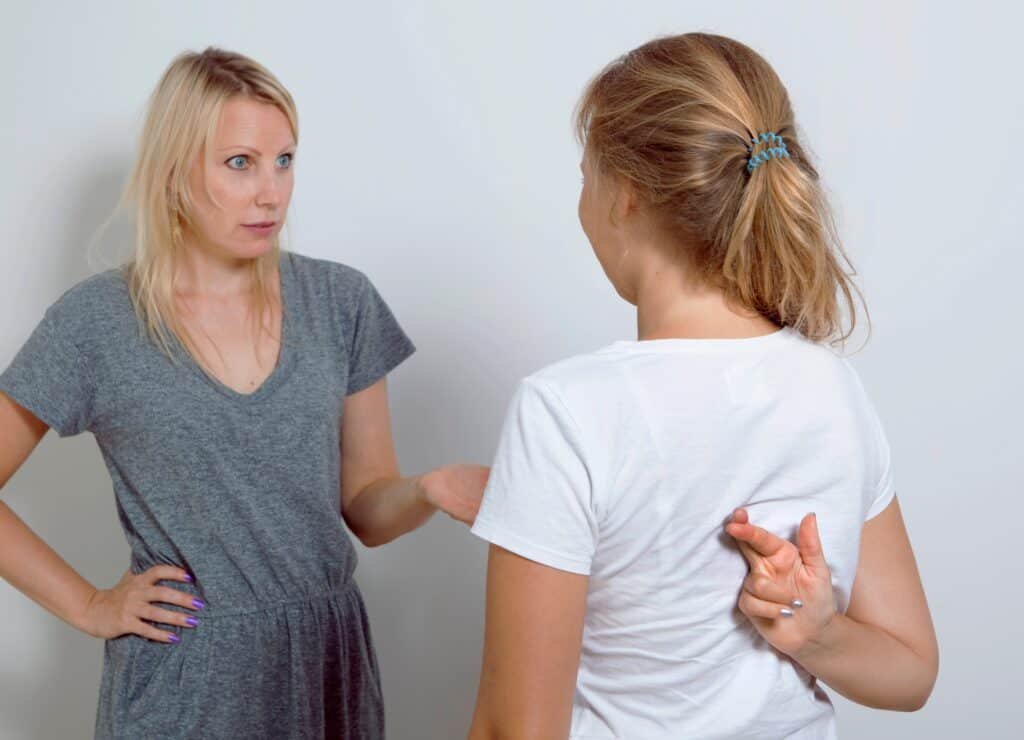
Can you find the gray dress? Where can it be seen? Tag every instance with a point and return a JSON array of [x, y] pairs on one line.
[[241, 490]]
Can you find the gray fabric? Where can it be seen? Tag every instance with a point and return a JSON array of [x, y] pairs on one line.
[[241, 490]]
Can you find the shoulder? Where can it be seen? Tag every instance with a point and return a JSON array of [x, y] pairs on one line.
[[579, 386], [94, 290], [861, 396], [819, 366], [831, 379], [89, 304], [327, 275], [333, 286], [838, 371], [582, 369]]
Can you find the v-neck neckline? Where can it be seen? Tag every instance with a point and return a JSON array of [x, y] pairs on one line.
[[285, 355]]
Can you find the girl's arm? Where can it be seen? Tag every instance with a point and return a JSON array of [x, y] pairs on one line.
[[378, 504], [882, 652], [532, 638]]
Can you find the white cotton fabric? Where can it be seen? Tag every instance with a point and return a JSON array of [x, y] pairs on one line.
[[623, 464]]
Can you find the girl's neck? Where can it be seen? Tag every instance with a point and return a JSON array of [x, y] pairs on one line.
[[670, 305]]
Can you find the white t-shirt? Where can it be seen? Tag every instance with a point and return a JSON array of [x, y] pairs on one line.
[[624, 464]]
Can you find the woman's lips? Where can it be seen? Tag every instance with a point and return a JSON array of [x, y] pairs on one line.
[[263, 227]]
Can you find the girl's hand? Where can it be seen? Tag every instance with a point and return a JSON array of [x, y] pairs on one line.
[[122, 609], [456, 490], [787, 594]]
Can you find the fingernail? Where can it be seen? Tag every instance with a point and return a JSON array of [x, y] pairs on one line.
[[188, 577], [786, 612], [173, 638], [198, 603], [192, 621], [797, 604]]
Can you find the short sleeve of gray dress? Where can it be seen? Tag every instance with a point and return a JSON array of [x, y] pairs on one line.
[[376, 341], [49, 376], [242, 490]]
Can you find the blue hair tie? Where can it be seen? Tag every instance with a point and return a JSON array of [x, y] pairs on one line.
[[776, 148]]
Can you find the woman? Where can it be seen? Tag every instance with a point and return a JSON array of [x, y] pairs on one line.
[[237, 392], [612, 583]]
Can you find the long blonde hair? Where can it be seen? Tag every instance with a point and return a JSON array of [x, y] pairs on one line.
[[677, 118], [181, 120]]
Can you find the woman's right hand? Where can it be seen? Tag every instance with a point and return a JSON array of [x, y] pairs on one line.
[[456, 490], [120, 610]]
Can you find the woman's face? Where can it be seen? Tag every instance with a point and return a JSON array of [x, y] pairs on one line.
[[248, 172]]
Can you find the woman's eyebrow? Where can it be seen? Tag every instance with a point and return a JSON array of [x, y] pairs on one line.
[[251, 149]]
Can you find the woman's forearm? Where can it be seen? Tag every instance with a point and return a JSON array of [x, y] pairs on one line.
[[386, 509], [35, 569], [869, 666]]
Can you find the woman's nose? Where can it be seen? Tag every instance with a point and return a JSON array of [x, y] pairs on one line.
[[269, 191]]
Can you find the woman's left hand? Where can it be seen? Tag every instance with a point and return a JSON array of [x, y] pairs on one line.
[[456, 489], [787, 595]]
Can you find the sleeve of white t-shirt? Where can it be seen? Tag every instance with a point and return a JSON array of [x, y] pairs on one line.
[[886, 488], [538, 501]]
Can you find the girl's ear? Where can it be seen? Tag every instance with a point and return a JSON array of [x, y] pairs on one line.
[[624, 200]]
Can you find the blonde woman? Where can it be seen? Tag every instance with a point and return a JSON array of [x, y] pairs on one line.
[[629, 593], [237, 393]]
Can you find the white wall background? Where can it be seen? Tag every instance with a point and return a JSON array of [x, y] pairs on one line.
[[436, 156]]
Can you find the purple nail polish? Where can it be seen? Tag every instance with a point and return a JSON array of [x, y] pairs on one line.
[[173, 637], [198, 603], [188, 577], [192, 621]]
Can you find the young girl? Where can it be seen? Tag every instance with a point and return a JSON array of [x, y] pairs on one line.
[[618, 605], [237, 394]]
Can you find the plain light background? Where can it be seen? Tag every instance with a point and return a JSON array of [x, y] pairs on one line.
[[435, 154]]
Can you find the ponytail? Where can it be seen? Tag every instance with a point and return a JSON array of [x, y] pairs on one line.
[[782, 256]]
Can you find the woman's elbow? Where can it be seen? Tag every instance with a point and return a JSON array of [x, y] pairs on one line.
[[372, 539], [484, 729], [368, 536]]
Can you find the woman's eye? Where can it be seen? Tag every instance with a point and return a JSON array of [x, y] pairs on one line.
[[239, 157], [288, 159]]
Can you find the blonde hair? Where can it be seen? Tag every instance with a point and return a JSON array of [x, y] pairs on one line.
[[677, 118], [182, 115]]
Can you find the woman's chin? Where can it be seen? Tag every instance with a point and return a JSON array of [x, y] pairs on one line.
[[255, 248]]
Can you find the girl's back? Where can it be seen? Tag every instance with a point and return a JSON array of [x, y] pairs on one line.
[[632, 474], [647, 447]]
